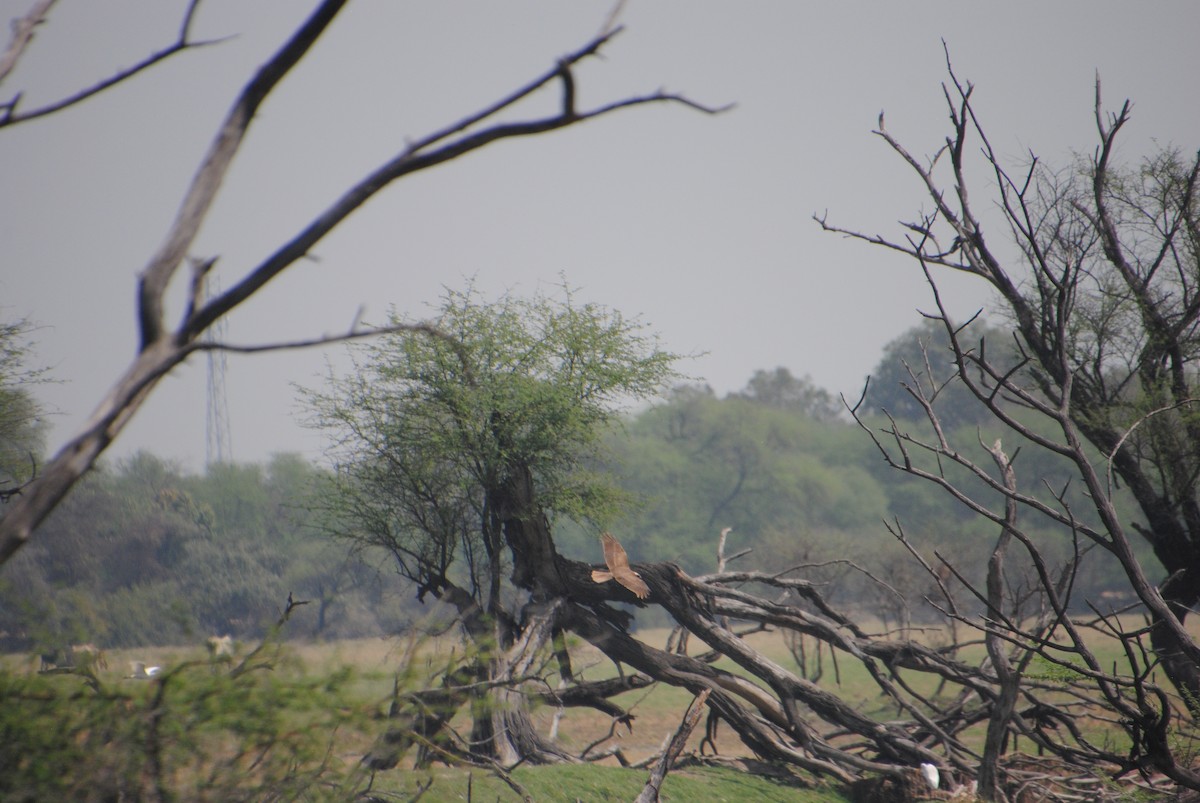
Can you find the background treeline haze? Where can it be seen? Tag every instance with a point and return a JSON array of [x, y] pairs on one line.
[[145, 553]]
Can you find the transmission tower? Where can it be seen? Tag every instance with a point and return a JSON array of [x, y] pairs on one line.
[[219, 443]]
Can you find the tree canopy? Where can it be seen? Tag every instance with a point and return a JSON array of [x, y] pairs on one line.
[[430, 423]]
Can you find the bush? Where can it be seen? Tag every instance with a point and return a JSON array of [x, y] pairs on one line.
[[260, 730]]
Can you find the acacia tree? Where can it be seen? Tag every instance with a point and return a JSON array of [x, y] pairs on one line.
[[433, 434], [1102, 295], [163, 345]]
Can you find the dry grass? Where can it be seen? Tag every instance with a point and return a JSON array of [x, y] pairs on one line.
[[657, 710]]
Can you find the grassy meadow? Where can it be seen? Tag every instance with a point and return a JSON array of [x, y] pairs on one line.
[[333, 697]]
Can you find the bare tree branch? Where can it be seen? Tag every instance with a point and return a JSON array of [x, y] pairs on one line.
[[421, 155], [161, 350], [200, 196], [1104, 362], [354, 333], [24, 32]]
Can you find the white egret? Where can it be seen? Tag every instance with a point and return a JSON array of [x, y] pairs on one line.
[[143, 672]]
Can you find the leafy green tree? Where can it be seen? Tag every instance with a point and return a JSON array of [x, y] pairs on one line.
[[451, 444], [920, 367]]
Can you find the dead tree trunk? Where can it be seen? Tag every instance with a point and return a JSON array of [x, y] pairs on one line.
[[1008, 679]]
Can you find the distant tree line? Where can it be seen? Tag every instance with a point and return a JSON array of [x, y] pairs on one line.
[[784, 466], [146, 553]]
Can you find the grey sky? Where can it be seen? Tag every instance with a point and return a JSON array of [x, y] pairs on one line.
[[699, 224]]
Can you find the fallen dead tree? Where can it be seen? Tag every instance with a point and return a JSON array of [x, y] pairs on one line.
[[788, 720]]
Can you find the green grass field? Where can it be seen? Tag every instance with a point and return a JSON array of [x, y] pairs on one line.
[[597, 784], [347, 686]]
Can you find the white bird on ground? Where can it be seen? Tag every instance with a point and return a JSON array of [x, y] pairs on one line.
[[930, 773], [143, 672]]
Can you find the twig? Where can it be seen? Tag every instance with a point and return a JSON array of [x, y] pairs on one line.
[[355, 333]]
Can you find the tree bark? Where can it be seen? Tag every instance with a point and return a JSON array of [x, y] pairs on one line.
[[990, 776]]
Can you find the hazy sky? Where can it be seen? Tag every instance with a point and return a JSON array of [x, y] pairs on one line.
[[701, 225]]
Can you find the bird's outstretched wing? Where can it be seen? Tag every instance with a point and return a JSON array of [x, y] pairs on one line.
[[618, 568], [614, 554], [599, 576]]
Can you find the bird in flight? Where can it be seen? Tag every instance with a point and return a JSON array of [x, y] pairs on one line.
[[618, 568]]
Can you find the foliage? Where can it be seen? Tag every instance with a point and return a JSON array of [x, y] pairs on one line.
[[802, 489], [430, 424], [922, 356], [261, 731], [144, 554], [698, 463], [781, 390]]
